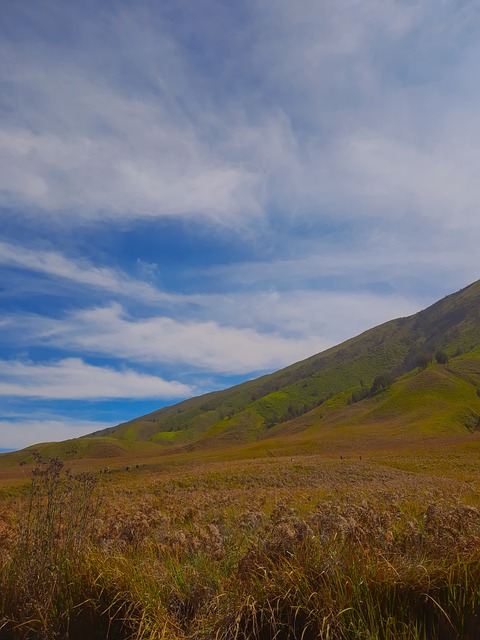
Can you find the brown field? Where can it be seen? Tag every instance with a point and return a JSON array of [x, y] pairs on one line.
[[363, 540]]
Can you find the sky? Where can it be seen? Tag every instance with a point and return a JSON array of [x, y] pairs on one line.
[[197, 192]]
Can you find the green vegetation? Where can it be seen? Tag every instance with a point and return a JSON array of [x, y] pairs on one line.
[[92, 448], [364, 366]]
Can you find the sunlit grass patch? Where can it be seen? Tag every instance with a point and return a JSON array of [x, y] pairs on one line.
[[275, 547]]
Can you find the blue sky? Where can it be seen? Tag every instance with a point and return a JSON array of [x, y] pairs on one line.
[[193, 193]]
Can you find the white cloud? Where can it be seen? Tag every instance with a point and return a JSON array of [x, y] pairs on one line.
[[327, 317], [416, 268], [51, 171], [401, 180], [71, 378], [382, 111], [199, 345], [82, 272], [76, 140], [20, 433], [288, 279], [276, 322], [329, 118], [257, 332]]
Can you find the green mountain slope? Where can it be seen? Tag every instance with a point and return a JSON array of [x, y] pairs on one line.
[[384, 381], [249, 411]]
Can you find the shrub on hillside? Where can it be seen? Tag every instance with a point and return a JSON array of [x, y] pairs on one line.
[[441, 357], [423, 359], [382, 383], [359, 394]]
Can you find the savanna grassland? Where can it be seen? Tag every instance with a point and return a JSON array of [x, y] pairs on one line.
[[338, 498], [384, 543]]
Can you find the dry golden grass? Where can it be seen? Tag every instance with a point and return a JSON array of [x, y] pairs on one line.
[[349, 545]]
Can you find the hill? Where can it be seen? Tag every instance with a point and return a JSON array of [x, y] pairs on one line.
[[411, 377], [249, 411]]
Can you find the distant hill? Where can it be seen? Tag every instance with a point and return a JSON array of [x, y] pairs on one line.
[[408, 377], [250, 410]]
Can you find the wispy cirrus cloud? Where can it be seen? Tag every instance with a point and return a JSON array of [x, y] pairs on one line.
[[259, 332], [81, 272], [328, 131], [236, 332], [197, 345], [74, 136], [375, 97], [72, 378]]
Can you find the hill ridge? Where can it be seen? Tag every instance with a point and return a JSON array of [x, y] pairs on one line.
[[450, 324], [356, 382]]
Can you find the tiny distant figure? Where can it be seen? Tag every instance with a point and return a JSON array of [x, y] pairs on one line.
[[137, 466], [292, 460], [127, 469], [360, 457], [341, 457]]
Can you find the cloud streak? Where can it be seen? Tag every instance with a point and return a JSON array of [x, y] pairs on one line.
[[263, 331], [201, 346], [81, 272], [72, 378]]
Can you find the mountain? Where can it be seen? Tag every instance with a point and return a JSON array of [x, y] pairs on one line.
[[408, 377], [249, 411]]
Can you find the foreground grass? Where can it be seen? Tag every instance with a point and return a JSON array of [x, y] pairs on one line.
[[309, 548]]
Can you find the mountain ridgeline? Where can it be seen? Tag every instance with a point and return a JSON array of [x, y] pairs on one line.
[[407, 379], [412, 360]]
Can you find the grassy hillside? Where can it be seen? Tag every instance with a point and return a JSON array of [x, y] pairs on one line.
[[247, 412], [93, 448], [384, 381]]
